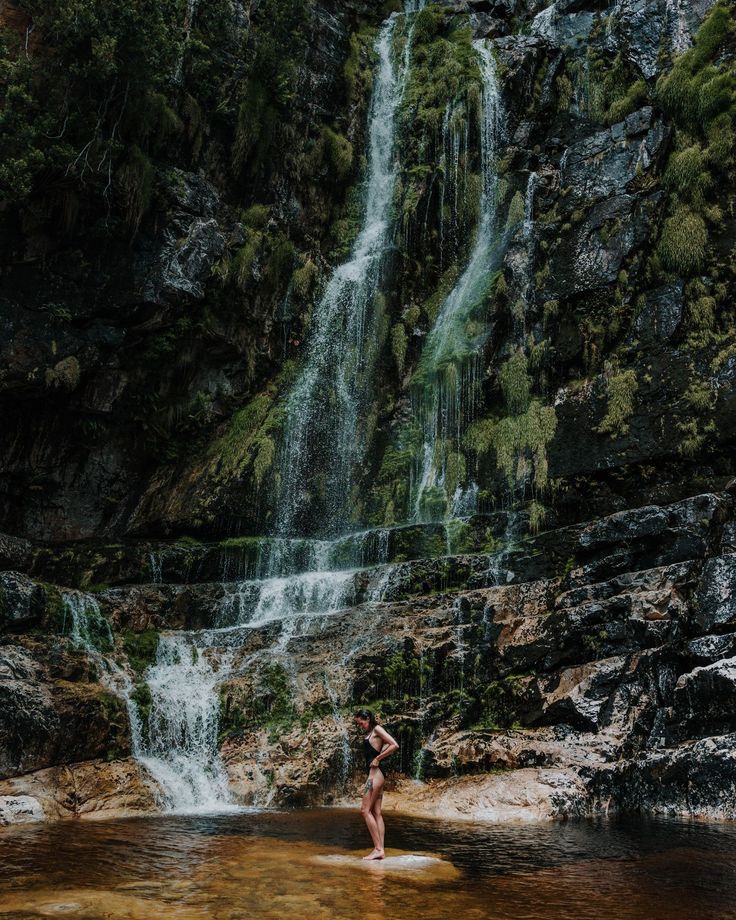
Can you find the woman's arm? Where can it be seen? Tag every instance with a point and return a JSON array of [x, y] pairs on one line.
[[389, 745]]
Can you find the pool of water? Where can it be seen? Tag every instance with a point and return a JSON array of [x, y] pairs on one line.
[[306, 864]]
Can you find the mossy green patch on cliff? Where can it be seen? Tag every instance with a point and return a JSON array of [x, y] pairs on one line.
[[499, 703], [116, 715], [440, 104], [269, 705], [699, 94], [140, 649], [143, 700], [249, 438], [606, 87], [519, 439], [621, 389]]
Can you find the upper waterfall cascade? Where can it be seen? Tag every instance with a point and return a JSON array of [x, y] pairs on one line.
[[324, 438]]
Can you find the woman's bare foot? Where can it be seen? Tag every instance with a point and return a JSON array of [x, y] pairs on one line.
[[376, 854]]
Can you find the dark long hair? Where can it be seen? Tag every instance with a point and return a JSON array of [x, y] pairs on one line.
[[366, 714]]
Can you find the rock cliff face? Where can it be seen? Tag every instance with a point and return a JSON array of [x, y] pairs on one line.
[[162, 264], [599, 675]]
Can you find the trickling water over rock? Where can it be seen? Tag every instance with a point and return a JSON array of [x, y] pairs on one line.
[[446, 384]]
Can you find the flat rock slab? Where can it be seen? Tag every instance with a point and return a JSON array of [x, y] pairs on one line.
[[524, 795], [401, 863]]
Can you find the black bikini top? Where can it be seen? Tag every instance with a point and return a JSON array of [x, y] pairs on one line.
[[370, 753]]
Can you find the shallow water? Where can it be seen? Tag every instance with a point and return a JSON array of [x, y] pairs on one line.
[[306, 864]]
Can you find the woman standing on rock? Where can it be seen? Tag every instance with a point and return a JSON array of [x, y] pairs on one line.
[[377, 745]]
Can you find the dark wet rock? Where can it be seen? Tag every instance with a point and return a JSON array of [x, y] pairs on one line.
[[643, 29], [716, 597], [183, 260], [604, 164], [695, 778], [23, 602], [563, 26], [44, 722], [704, 701], [15, 552], [661, 313]]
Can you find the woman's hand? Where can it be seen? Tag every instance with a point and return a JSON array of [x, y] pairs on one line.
[[375, 763]]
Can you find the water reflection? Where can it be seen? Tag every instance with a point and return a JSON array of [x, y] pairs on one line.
[[276, 865]]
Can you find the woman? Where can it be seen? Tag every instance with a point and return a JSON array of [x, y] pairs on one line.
[[377, 745]]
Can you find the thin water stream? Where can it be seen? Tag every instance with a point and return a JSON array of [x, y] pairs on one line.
[[306, 865], [445, 387]]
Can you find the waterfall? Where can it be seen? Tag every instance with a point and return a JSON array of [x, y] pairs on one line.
[[322, 443], [528, 232], [446, 383], [323, 438], [180, 747], [85, 623]]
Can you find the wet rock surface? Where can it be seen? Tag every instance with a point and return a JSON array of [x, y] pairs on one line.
[[608, 682]]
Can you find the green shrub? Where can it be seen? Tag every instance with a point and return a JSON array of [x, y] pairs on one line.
[[621, 389], [516, 210], [682, 245], [338, 154], [303, 279], [516, 383], [687, 174]]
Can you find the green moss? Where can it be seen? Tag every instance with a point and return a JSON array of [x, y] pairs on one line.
[[682, 245], [694, 437], [338, 154], [695, 91], [537, 515], [517, 440], [516, 210], [687, 174], [273, 705], [399, 343], [264, 458], [256, 216], [55, 612], [143, 700], [516, 383], [404, 674], [621, 389], [636, 96], [303, 279], [700, 396], [140, 649], [500, 702]]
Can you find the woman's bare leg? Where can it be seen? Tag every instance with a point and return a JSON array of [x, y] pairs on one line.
[[366, 807], [379, 818]]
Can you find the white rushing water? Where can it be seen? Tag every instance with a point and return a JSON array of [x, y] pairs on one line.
[[180, 746], [324, 432], [445, 386]]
